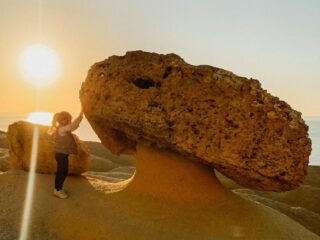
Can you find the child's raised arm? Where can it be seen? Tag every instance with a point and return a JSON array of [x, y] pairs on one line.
[[72, 126]]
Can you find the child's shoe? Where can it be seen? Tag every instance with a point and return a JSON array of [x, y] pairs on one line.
[[60, 194]]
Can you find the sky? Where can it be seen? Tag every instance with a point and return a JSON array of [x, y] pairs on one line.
[[276, 42]]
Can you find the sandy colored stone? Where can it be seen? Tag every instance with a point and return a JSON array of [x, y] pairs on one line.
[[202, 112], [3, 140], [159, 203], [20, 135], [300, 204]]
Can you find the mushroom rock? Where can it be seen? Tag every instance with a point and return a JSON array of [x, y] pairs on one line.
[[20, 137], [180, 121], [201, 112]]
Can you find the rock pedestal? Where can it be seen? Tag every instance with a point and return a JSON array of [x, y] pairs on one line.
[[171, 197], [20, 137]]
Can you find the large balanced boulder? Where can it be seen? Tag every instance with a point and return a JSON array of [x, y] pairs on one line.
[[20, 138], [202, 112]]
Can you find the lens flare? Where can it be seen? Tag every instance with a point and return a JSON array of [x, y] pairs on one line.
[[43, 118], [30, 186]]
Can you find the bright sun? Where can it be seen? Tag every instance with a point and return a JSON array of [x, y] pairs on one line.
[[39, 65], [43, 118]]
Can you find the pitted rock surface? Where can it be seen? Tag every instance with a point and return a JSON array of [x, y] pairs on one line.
[[203, 112]]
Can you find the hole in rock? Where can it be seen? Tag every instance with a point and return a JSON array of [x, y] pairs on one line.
[[196, 131], [167, 72], [170, 123], [145, 83], [153, 104]]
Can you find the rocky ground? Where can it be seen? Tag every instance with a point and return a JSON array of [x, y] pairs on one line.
[[301, 204], [107, 173]]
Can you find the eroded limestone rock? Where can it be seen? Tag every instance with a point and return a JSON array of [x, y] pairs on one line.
[[202, 112], [20, 135]]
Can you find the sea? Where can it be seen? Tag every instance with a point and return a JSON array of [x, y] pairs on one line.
[[85, 132]]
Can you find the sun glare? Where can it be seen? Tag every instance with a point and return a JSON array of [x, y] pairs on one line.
[[43, 118], [39, 65]]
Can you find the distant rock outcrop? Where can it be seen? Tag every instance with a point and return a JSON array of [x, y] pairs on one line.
[[202, 112], [4, 153], [20, 136], [4, 160], [3, 140]]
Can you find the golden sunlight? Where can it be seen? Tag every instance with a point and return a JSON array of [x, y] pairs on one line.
[[39, 65], [43, 118]]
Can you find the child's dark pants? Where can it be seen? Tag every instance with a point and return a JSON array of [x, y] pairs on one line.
[[62, 169]]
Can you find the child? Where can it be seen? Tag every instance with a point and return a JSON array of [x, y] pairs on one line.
[[64, 145]]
